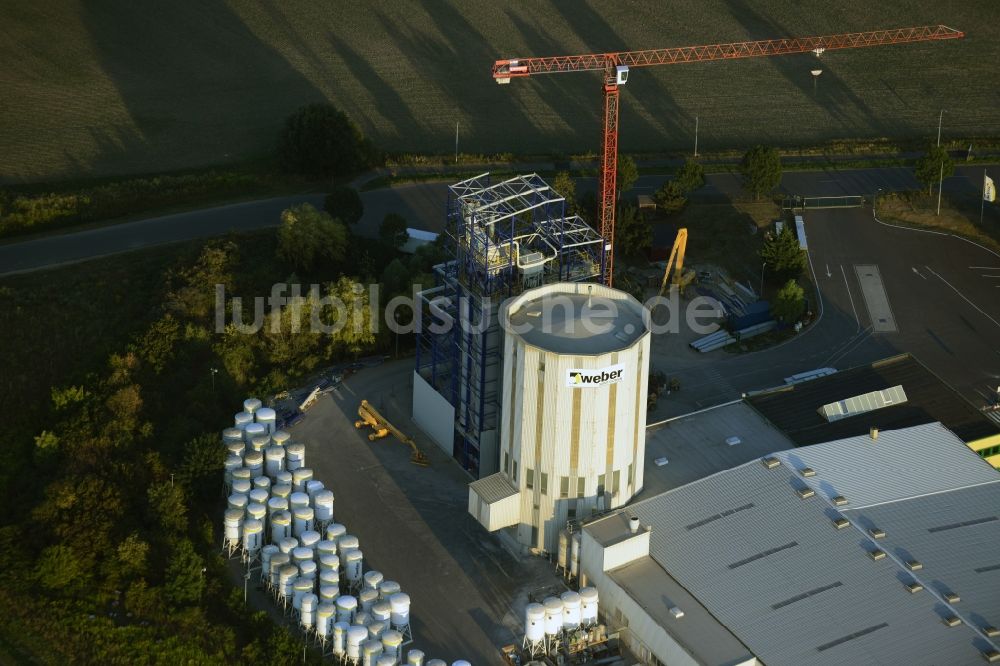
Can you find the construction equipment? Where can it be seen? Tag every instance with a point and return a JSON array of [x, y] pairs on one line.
[[676, 261], [615, 69], [381, 427]]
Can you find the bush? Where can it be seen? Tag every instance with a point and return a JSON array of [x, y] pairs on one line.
[[933, 166], [761, 170], [392, 231], [783, 256], [344, 204], [790, 304], [307, 235], [320, 140]]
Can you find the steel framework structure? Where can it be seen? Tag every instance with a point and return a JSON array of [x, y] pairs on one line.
[[505, 237], [615, 68]]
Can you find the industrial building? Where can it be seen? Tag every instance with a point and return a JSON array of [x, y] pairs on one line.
[[507, 237], [573, 427], [833, 553]]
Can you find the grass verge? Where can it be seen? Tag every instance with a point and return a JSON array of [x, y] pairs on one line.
[[959, 216]]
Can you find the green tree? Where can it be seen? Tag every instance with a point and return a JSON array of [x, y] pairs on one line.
[[628, 173], [319, 140], [191, 293], [670, 197], [633, 234], [307, 236], [352, 319], [783, 256], [344, 203], [930, 168], [691, 176], [392, 231], [761, 170], [395, 278], [167, 505], [133, 553], [185, 580], [203, 460], [238, 352], [790, 303], [564, 185], [60, 568]]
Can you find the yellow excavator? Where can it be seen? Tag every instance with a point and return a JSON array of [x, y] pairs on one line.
[[681, 277], [381, 428]]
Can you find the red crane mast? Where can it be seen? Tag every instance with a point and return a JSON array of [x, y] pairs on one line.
[[615, 68]]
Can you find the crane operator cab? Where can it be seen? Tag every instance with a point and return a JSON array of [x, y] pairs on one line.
[[621, 74]]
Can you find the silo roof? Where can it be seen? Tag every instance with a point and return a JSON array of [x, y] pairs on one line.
[[575, 323]]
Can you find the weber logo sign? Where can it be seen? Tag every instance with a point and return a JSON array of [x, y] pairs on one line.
[[580, 378]]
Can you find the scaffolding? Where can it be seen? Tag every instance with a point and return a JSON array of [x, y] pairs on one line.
[[504, 237]]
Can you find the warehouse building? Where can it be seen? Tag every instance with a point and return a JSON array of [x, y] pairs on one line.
[[573, 414], [833, 553]]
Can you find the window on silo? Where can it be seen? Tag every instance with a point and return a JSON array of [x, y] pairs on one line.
[[630, 480], [513, 476], [600, 484], [564, 487], [580, 490], [506, 463], [617, 480], [529, 479], [545, 483]]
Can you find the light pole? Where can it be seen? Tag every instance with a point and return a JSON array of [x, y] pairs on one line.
[[762, 279], [941, 172], [875, 201], [696, 136], [214, 372], [940, 116], [815, 73], [456, 142]]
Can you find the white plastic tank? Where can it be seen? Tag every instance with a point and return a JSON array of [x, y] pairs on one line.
[[266, 553], [323, 503], [329, 576], [232, 435], [387, 588], [381, 611], [355, 637], [309, 539], [237, 448], [242, 420], [372, 579], [347, 542], [295, 457], [300, 588], [307, 569], [352, 560], [301, 554], [241, 474], [262, 482], [376, 629], [574, 554], [287, 545], [300, 476], [563, 552], [367, 599], [286, 579], [274, 460], [326, 547], [298, 499], [259, 496], [329, 562], [276, 504], [253, 430], [253, 535], [266, 417], [415, 658], [340, 637], [284, 477], [277, 562], [282, 490], [280, 437], [238, 501], [437, 662], [328, 593], [281, 526], [302, 520], [385, 659], [242, 486], [362, 619], [534, 623], [588, 606], [347, 606], [553, 615], [334, 531], [571, 610], [460, 662], [399, 605], [233, 462], [325, 612], [232, 525], [251, 405], [307, 611], [313, 486], [259, 443], [257, 512], [370, 651]]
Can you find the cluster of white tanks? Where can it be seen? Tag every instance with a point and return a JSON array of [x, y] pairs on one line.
[[280, 521], [559, 619]]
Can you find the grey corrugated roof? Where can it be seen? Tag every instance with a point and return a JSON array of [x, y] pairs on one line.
[[695, 445], [909, 462], [697, 632], [493, 488], [772, 568]]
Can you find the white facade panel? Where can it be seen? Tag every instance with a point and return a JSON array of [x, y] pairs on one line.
[[433, 414]]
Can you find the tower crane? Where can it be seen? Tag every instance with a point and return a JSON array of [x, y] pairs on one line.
[[615, 68]]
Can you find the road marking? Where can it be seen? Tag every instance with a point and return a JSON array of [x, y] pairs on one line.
[[997, 323], [985, 268], [849, 348], [847, 284], [876, 299], [989, 276], [918, 272], [828, 273]]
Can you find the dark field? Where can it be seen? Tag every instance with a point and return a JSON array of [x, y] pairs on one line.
[[92, 88]]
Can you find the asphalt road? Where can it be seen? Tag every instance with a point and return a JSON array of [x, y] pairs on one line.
[[423, 204]]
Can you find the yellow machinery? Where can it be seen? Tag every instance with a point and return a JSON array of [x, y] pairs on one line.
[[381, 427], [676, 261]]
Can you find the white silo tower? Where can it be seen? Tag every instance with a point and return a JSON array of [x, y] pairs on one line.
[[372, 579], [266, 553], [313, 486], [534, 630], [325, 613], [300, 477], [415, 658], [387, 588], [571, 610], [260, 442], [366, 599], [573, 400], [329, 561], [251, 405], [295, 456], [328, 593], [266, 417], [280, 437], [553, 620], [340, 629], [284, 477], [347, 606], [236, 447], [253, 430], [242, 419], [274, 460], [230, 435], [278, 561], [589, 606], [281, 526], [262, 482], [399, 605], [376, 628], [232, 529], [309, 539], [307, 611], [334, 531], [370, 651]]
